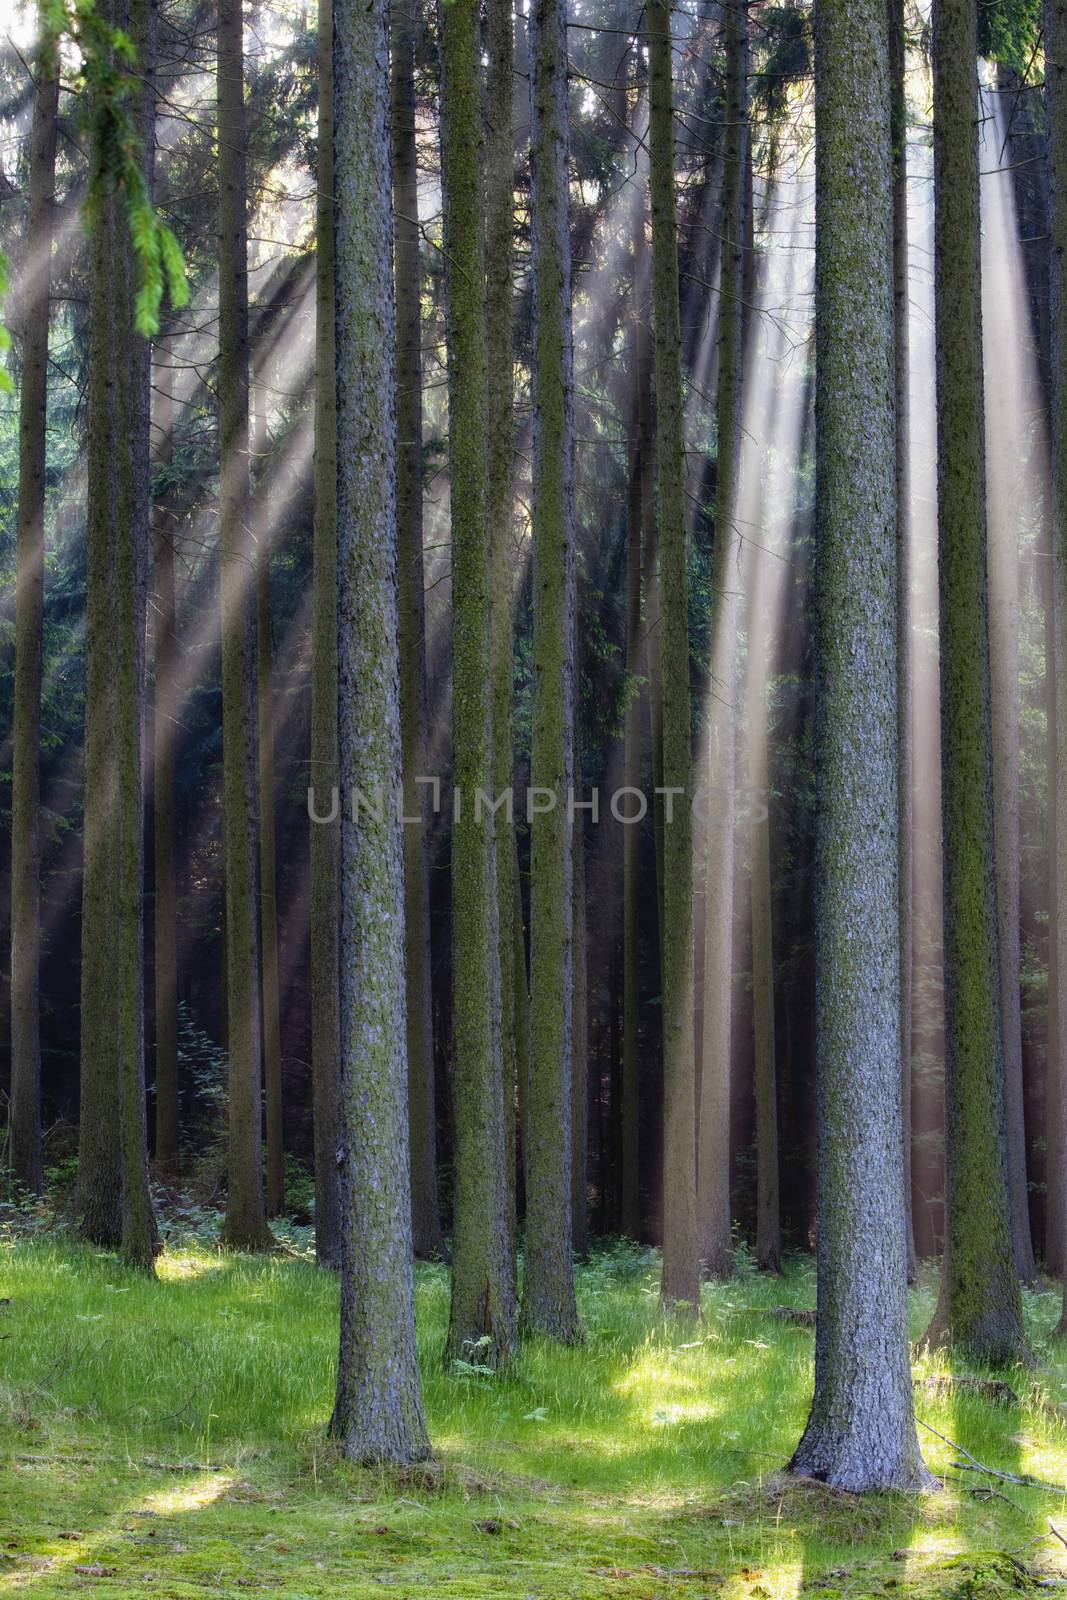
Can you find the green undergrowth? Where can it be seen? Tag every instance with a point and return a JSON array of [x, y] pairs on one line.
[[168, 1439]]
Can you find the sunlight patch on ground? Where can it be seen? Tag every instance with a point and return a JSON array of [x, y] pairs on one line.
[[175, 1268], [192, 1496]]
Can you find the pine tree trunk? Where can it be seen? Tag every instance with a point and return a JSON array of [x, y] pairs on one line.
[[548, 1303], [165, 715], [245, 1227], [274, 1174], [1056, 111], [425, 1211], [681, 1233], [483, 1313], [579, 1040], [499, 206], [713, 1154], [901, 365], [639, 474], [1054, 1218], [861, 1432], [25, 1146], [114, 1199], [325, 836], [378, 1414], [980, 1308]]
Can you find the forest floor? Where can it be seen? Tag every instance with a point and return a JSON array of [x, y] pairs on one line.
[[167, 1440]]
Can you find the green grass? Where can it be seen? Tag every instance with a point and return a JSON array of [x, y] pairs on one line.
[[167, 1439]]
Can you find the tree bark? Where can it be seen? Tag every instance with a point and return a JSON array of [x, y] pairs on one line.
[[427, 1237], [378, 1413], [165, 715], [25, 1119], [548, 1303], [245, 1227], [713, 1152], [861, 1433], [274, 1176], [1056, 111], [499, 207], [905, 765], [114, 1198], [681, 1234], [482, 1320], [325, 836], [980, 1307]]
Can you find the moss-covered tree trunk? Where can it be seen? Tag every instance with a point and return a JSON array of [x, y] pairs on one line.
[[483, 1312], [25, 1113], [861, 1432], [713, 1152], [681, 1233], [901, 367], [425, 1211], [325, 836], [1056, 111], [499, 209], [548, 1303], [378, 1413], [113, 1196], [164, 724], [245, 1227], [980, 1307], [274, 1167]]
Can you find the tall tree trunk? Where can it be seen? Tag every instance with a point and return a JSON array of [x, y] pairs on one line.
[[639, 477], [713, 1154], [579, 1037], [980, 1307], [427, 1238], [901, 364], [681, 1233], [1054, 1149], [1056, 110], [483, 1312], [499, 206], [25, 1149], [274, 1177], [165, 716], [378, 1413], [861, 1432], [114, 1198], [245, 1227], [325, 836], [548, 1303]]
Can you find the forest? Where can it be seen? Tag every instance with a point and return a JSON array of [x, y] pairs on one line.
[[533, 798]]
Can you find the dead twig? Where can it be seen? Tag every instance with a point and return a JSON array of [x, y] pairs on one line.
[[1024, 1480]]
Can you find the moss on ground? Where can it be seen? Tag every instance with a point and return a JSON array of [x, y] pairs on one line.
[[168, 1439]]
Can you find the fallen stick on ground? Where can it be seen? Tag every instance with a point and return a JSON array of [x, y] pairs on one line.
[[1024, 1479]]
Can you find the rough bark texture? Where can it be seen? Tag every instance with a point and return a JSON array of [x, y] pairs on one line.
[[713, 1151], [901, 313], [425, 1210], [499, 207], [482, 1321], [579, 1040], [1056, 108], [548, 1303], [325, 837], [245, 1227], [25, 1116], [114, 1198], [378, 1413], [980, 1308], [165, 711], [274, 1172], [681, 1235], [861, 1432]]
